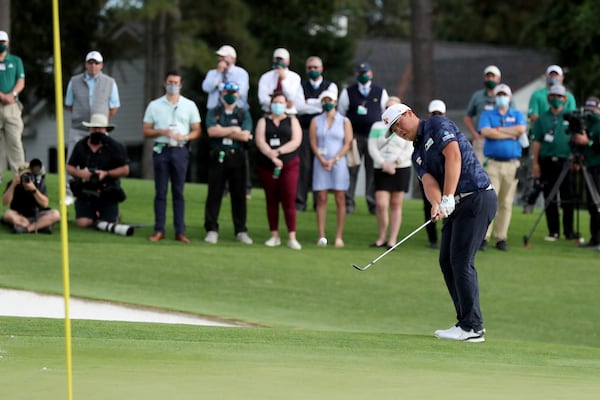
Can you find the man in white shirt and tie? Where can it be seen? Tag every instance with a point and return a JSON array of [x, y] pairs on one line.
[[280, 77]]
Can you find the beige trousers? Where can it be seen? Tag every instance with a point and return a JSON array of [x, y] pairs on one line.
[[503, 175], [11, 130]]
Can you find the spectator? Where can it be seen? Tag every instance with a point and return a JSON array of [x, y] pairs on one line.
[[12, 82], [28, 200], [461, 193], [363, 102], [538, 102], [312, 88], [589, 142], [551, 151], [172, 121], [226, 71], [330, 138], [229, 128], [481, 100], [392, 164], [97, 164], [502, 127], [281, 78], [88, 93], [278, 137]]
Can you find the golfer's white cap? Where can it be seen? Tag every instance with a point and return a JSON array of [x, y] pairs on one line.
[[392, 113], [94, 55], [554, 68], [437, 105], [492, 69]]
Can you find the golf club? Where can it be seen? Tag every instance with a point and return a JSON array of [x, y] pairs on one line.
[[393, 247]]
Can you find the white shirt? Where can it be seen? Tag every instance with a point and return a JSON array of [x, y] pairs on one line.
[[291, 87], [313, 105]]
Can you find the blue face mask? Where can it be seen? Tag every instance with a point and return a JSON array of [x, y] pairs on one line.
[[172, 89], [277, 108], [502, 101]]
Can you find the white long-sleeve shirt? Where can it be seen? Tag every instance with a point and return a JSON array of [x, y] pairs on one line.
[[291, 87], [389, 149]]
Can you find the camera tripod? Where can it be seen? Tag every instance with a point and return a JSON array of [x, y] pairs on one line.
[[554, 191]]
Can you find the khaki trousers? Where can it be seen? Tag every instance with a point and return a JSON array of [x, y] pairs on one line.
[[11, 131], [503, 175]]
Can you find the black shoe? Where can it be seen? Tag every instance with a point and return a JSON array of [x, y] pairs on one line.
[[572, 236], [484, 245], [591, 243], [501, 245]]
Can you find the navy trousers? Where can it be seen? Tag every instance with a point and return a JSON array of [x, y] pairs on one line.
[[462, 234], [170, 164]]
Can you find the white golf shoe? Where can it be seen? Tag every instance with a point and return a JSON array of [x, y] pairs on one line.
[[273, 242], [459, 334], [212, 237]]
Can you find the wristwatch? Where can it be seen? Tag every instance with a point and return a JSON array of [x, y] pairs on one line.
[[15, 94]]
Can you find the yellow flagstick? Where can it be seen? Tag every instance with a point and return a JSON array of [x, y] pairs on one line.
[[64, 233]]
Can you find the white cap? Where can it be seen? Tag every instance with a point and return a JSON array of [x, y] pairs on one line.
[[437, 105], [227, 51], [3, 36], [492, 69], [502, 88], [328, 93], [94, 55], [557, 89], [392, 113], [554, 68], [281, 53]]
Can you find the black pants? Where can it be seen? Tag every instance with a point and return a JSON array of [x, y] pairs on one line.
[[462, 234], [233, 172], [550, 170], [431, 228], [594, 173], [363, 150]]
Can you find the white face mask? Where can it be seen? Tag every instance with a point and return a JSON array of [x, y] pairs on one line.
[[172, 89], [502, 101]]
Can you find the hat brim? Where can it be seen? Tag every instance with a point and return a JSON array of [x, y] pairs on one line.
[[108, 127]]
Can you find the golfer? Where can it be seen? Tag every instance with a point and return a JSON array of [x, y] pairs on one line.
[[460, 193]]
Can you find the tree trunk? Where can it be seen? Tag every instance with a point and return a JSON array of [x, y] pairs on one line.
[[5, 16], [160, 57]]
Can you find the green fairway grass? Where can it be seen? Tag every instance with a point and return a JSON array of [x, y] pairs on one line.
[[323, 329]]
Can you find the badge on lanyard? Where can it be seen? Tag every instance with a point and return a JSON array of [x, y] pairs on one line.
[[274, 142]]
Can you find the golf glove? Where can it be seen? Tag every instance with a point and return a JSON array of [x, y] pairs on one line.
[[447, 205]]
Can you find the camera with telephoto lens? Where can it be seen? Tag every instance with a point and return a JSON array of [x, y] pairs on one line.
[[26, 177], [577, 121], [118, 229]]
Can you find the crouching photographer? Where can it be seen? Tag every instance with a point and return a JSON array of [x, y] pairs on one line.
[[97, 164], [26, 195], [587, 141]]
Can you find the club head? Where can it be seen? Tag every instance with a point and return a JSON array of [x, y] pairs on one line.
[[359, 268]]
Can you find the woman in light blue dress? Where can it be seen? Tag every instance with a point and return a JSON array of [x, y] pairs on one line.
[[330, 138]]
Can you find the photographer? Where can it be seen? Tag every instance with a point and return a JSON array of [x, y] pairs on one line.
[[588, 142], [26, 195], [551, 150], [97, 163]]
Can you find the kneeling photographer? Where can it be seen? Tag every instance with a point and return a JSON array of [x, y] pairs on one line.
[[97, 164], [26, 195], [588, 145]]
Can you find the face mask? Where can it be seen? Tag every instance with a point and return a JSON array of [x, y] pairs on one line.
[[230, 98], [551, 81], [328, 107], [172, 89], [490, 84], [3, 47], [556, 103], [314, 74], [97, 138], [363, 78], [502, 101], [278, 64], [277, 108]]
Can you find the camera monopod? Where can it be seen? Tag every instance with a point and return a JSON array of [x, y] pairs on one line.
[[119, 229]]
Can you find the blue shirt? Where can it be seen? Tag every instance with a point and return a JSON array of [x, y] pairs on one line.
[[161, 114], [501, 148], [113, 100], [235, 74], [433, 135]]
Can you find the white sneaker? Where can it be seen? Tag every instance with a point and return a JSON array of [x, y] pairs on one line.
[[212, 237], [551, 238], [244, 238], [458, 334], [69, 199], [273, 242], [322, 242], [294, 245]]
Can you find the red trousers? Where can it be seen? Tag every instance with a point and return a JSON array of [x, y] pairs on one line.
[[281, 190]]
